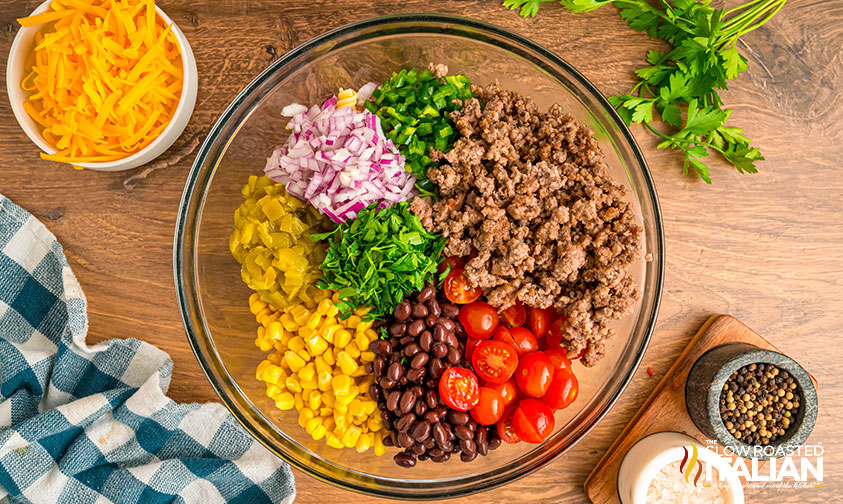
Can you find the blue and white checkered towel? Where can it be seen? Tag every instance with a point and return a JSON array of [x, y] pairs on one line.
[[91, 424]]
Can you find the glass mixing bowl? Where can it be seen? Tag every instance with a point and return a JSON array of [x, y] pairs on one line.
[[214, 301]]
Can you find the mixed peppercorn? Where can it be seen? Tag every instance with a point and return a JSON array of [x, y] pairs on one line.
[[758, 403]]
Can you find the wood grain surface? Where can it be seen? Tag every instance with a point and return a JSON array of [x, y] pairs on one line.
[[664, 410], [766, 248]]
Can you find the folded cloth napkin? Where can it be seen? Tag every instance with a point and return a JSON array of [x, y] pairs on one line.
[[91, 424]]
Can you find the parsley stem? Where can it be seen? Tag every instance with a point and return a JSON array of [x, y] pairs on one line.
[[695, 141]]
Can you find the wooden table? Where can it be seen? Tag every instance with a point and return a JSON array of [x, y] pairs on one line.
[[766, 248]]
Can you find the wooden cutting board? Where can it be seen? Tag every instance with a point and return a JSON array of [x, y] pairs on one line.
[[665, 409]]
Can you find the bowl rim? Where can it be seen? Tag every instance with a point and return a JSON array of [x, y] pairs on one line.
[[192, 179], [187, 100]]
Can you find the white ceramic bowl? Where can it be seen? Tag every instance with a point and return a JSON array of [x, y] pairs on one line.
[[651, 454], [23, 44]]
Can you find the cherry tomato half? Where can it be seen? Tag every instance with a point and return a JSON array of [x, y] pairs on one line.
[[494, 361], [515, 315], [534, 374], [470, 345], [490, 407], [559, 358], [458, 389], [479, 319], [457, 289], [563, 390], [520, 338], [453, 262], [538, 320], [508, 391], [532, 420], [505, 430]]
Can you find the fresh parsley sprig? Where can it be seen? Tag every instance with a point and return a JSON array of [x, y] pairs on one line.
[[377, 259], [686, 79]]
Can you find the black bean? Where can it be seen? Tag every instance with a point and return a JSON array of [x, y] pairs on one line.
[[375, 393], [483, 448], [453, 355], [440, 434], [432, 417], [420, 408], [433, 308], [449, 310], [405, 422], [443, 458], [418, 390], [415, 328], [430, 320], [450, 430], [394, 436], [439, 350], [395, 371], [442, 410], [419, 361], [429, 443], [448, 446], [411, 350], [397, 329], [415, 375], [463, 432], [428, 292], [451, 340], [458, 417], [448, 324], [381, 347], [423, 457], [480, 434], [471, 424], [417, 449], [387, 382], [468, 446], [439, 332], [405, 460], [494, 443], [370, 368], [408, 400], [421, 430], [436, 368], [402, 310], [385, 414], [387, 441], [380, 366], [468, 457], [406, 340], [435, 452], [405, 440], [419, 311], [431, 398], [393, 399], [426, 340]]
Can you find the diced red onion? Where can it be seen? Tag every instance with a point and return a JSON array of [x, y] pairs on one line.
[[339, 160]]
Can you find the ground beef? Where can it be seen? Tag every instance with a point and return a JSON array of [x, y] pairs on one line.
[[529, 192]]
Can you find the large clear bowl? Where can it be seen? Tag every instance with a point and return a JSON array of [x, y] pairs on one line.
[[214, 302]]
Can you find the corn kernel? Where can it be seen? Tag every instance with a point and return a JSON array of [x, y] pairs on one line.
[[261, 367], [346, 363], [275, 358], [294, 360], [372, 335], [364, 326], [328, 423], [313, 321], [304, 355], [299, 401], [362, 311], [319, 432], [308, 372], [293, 385], [361, 341], [342, 338], [272, 391], [329, 358], [340, 407], [367, 356], [304, 415], [296, 344], [314, 400], [323, 306], [352, 434], [369, 407], [329, 330], [274, 331], [364, 442], [285, 401], [353, 351], [264, 344], [374, 424], [355, 407], [341, 384], [379, 447], [361, 371], [312, 424], [316, 345], [353, 321], [323, 382], [300, 314], [328, 400], [333, 441], [309, 385], [274, 374], [287, 321]]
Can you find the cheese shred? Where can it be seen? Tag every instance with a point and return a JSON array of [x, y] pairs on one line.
[[104, 78]]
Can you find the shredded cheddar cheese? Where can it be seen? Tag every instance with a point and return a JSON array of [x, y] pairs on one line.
[[104, 79]]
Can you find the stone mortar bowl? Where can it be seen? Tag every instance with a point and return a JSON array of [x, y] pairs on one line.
[[705, 383]]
